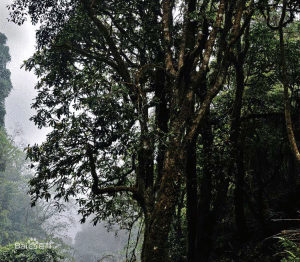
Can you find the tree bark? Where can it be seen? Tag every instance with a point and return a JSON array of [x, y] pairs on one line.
[[191, 202], [155, 247], [237, 152], [239, 198], [206, 220]]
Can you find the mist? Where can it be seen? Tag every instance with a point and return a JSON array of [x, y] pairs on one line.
[[86, 242]]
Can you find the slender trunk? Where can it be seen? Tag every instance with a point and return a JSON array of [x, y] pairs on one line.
[[206, 220], [191, 212], [178, 228], [162, 118], [239, 197], [287, 111], [237, 151]]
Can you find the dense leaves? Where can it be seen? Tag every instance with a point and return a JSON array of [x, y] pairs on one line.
[[12, 254]]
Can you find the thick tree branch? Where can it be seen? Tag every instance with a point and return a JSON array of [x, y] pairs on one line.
[[240, 32], [167, 21], [122, 31], [95, 187], [110, 190], [211, 93], [188, 36], [112, 46], [211, 41], [92, 56]]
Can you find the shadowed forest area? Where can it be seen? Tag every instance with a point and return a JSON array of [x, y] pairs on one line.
[[177, 122]]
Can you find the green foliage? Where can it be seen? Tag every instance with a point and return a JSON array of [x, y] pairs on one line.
[[17, 219], [5, 83], [10, 253], [291, 250]]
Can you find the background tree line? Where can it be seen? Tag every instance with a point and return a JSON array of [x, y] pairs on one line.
[[18, 221]]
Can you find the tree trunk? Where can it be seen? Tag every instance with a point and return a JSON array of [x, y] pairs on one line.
[[191, 208], [206, 220], [239, 198], [155, 248], [288, 118], [237, 150]]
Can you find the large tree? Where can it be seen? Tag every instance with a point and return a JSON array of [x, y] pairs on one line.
[[127, 87]]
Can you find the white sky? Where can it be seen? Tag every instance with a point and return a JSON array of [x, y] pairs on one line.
[[21, 42]]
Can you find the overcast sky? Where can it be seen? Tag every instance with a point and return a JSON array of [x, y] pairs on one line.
[[21, 42]]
